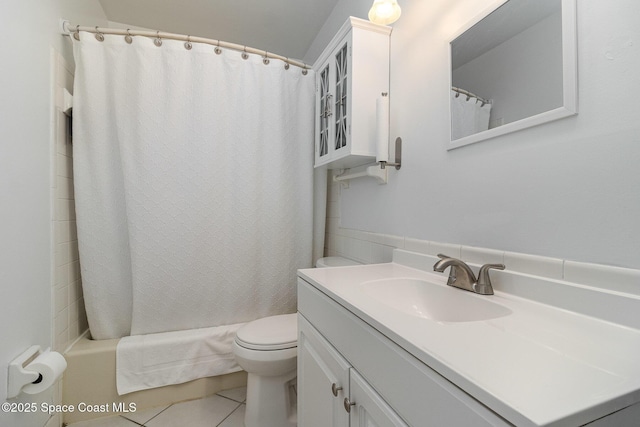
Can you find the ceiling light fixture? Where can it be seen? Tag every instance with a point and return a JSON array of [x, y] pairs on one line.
[[384, 12]]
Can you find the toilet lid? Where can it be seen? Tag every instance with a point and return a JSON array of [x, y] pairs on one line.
[[269, 333]]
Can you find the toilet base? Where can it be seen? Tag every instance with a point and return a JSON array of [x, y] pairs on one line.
[[271, 401]]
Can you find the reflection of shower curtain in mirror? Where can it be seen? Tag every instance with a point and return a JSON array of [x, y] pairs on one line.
[[468, 115]]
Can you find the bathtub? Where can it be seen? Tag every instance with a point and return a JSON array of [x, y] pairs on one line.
[[90, 378]]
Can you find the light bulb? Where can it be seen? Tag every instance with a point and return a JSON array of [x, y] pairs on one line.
[[384, 12]]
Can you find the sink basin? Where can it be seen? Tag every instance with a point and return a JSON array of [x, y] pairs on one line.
[[428, 300]]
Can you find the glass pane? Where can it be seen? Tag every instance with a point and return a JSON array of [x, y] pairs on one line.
[[341, 98], [325, 106]]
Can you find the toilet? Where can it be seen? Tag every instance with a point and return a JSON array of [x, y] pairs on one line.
[[267, 349]]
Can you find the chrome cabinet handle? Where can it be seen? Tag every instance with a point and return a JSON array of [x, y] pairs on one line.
[[348, 404], [335, 389]]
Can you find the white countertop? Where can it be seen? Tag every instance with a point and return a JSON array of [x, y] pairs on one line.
[[539, 366]]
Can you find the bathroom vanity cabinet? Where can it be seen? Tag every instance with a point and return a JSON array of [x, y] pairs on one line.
[[380, 383], [392, 345], [351, 73]]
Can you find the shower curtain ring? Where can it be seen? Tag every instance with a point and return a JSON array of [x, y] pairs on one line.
[[244, 53], [286, 64], [157, 41], [76, 34], [265, 60], [187, 44], [217, 50], [128, 37], [99, 35], [304, 71]]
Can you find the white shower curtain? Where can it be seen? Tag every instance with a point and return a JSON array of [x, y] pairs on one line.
[[194, 184], [468, 115]]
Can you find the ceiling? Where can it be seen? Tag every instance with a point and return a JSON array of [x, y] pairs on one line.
[[510, 19], [284, 27]]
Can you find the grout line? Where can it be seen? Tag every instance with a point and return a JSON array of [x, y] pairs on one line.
[[233, 400], [154, 415], [228, 398], [131, 421], [230, 413]]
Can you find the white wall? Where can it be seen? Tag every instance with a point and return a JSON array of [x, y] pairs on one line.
[[567, 189], [28, 33]]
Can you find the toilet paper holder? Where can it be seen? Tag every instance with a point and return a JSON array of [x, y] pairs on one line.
[[19, 373]]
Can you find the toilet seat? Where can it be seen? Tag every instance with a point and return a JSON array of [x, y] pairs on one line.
[[269, 333]]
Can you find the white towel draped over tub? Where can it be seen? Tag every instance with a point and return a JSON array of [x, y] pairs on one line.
[[157, 360]]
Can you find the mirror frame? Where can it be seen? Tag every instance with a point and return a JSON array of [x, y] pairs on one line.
[[569, 78]]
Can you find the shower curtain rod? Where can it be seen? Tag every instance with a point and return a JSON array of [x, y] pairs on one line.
[[74, 30], [470, 94]]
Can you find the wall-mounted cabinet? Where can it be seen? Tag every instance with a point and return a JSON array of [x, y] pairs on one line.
[[351, 74]]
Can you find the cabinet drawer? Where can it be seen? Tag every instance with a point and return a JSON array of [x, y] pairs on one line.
[[420, 395]]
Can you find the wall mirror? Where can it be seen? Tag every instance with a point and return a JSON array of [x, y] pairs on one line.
[[513, 67]]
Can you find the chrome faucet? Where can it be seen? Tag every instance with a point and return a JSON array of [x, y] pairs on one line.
[[461, 276]]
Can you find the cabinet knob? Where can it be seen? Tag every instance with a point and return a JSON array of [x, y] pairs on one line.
[[348, 404], [335, 389]]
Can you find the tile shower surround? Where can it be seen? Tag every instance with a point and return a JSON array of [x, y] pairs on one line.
[[69, 319]]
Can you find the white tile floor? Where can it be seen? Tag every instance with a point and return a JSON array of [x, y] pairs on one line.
[[225, 409]]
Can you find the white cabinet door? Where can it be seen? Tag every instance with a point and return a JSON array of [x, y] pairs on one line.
[[323, 380], [367, 409]]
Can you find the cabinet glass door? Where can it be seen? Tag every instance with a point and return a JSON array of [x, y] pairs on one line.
[[342, 76], [324, 112]]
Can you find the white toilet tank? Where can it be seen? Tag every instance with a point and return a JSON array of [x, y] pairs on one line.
[[335, 261]]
